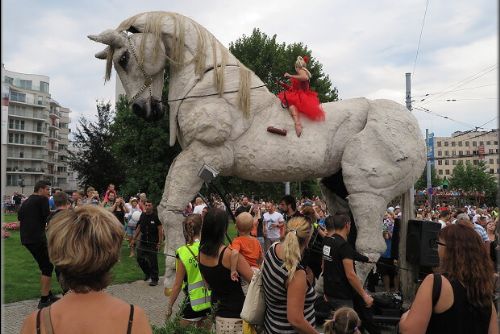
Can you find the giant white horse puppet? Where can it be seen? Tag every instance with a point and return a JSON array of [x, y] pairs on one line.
[[367, 151]]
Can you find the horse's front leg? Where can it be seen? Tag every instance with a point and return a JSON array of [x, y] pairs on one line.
[[181, 186]]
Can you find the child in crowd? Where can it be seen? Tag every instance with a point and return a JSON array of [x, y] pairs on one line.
[[345, 321], [245, 244]]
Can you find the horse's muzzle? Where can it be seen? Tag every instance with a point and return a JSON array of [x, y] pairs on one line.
[[150, 109]]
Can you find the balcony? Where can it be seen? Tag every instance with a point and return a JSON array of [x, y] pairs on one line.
[[27, 115], [36, 157], [53, 149], [54, 126], [54, 114], [36, 143], [28, 130], [21, 170]]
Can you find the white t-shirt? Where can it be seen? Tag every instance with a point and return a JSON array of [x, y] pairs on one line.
[[198, 209], [443, 223], [273, 232]]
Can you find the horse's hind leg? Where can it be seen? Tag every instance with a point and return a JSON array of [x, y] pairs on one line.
[[181, 185]]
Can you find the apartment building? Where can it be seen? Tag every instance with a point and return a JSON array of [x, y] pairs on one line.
[[466, 146], [37, 132]]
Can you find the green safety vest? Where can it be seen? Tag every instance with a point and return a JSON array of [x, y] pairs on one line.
[[199, 295]]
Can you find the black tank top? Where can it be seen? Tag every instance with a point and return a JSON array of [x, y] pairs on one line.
[[225, 292], [461, 317]]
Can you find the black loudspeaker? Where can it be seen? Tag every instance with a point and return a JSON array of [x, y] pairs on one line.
[[421, 246]]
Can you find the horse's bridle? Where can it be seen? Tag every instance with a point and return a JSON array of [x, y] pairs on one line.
[[148, 80]]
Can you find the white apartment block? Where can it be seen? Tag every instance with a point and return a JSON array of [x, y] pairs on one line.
[[37, 133], [466, 146]]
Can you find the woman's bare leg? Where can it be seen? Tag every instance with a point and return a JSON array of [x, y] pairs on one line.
[[296, 118]]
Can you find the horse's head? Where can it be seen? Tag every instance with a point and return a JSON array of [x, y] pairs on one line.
[[140, 67]]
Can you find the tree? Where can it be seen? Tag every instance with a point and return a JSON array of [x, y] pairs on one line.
[[422, 181], [143, 150], [92, 157], [472, 177], [270, 60]]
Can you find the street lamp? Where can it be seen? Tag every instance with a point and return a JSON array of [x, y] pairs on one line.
[[20, 182]]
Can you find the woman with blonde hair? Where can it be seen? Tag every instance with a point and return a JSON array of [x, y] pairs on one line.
[[289, 296], [299, 98], [84, 244], [460, 298]]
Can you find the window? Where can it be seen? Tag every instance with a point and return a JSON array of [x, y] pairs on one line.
[[440, 172], [446, 162], [445, 143], [488, 142], [9, 80], [453, 144], [495, 142], [16, 138], [490, 150], [481, 143], [21, 154], [492, 171], [474, 152], [453, 153], [475, 162], [446, 153], [468, 152], [440, 162], [439, 153], [17, 96], [460, 143], [447, 172], [12, 180], [454, 162], [460, 153], [26, 84], [474, 143], [466, 143], [491, 161], [40, 100], [44, 87], [438, 144]]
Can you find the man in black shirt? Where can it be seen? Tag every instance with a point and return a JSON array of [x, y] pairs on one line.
[[342, 286], [244, 207], [151, 231], [32, 218]]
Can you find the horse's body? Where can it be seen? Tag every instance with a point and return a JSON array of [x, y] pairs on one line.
[[372, 147]]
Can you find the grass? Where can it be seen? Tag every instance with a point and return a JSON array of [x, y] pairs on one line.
[[22, 276]]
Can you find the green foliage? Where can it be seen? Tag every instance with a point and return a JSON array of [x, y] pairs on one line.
[[92, 158], [142, 148], [471, 177], [173, 325], [270, 60], [422, 181]]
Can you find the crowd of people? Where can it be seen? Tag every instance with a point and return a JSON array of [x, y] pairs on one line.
[[297, 244]]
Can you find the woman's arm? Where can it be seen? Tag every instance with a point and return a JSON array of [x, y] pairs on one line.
[[243, 268], [29, 324], [301, 75], [141, 321], [493, 328], [296, 293], [180, 272], [417, 318]]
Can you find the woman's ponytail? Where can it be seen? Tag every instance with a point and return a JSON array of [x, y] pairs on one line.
[[298, 233]]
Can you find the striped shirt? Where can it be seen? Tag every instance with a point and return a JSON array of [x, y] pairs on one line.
[[275, 292]]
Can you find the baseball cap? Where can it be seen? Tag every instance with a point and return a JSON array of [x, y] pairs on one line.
[[390, 209]]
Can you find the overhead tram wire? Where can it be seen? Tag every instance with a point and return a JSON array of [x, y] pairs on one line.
[[455, 90], [430, 112], [420, 38], [461, 83]]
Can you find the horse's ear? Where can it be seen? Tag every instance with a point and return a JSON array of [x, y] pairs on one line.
[[102, 54], [110, 37]]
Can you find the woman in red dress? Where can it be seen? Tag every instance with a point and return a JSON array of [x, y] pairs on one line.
[[299, 97]]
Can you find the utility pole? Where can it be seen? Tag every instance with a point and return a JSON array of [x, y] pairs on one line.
[[408, 277], [429, 144], [287, 188]]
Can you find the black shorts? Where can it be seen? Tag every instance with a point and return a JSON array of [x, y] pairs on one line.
[[386, 267], [41, 255], [189, 314]]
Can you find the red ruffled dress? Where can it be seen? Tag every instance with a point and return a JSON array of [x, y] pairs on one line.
[[303, 98]]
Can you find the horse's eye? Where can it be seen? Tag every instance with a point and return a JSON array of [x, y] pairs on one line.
[[124, 59]]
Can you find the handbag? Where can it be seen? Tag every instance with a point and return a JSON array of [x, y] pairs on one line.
[[254, 307]]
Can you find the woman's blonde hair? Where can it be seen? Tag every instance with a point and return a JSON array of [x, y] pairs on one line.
[[84, 244], [345, 321], [297, 234], [301, 63]]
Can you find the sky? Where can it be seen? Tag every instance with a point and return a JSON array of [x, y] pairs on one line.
[[366, 47]]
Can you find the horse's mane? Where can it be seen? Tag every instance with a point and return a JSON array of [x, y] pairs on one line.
[[153, 25]]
